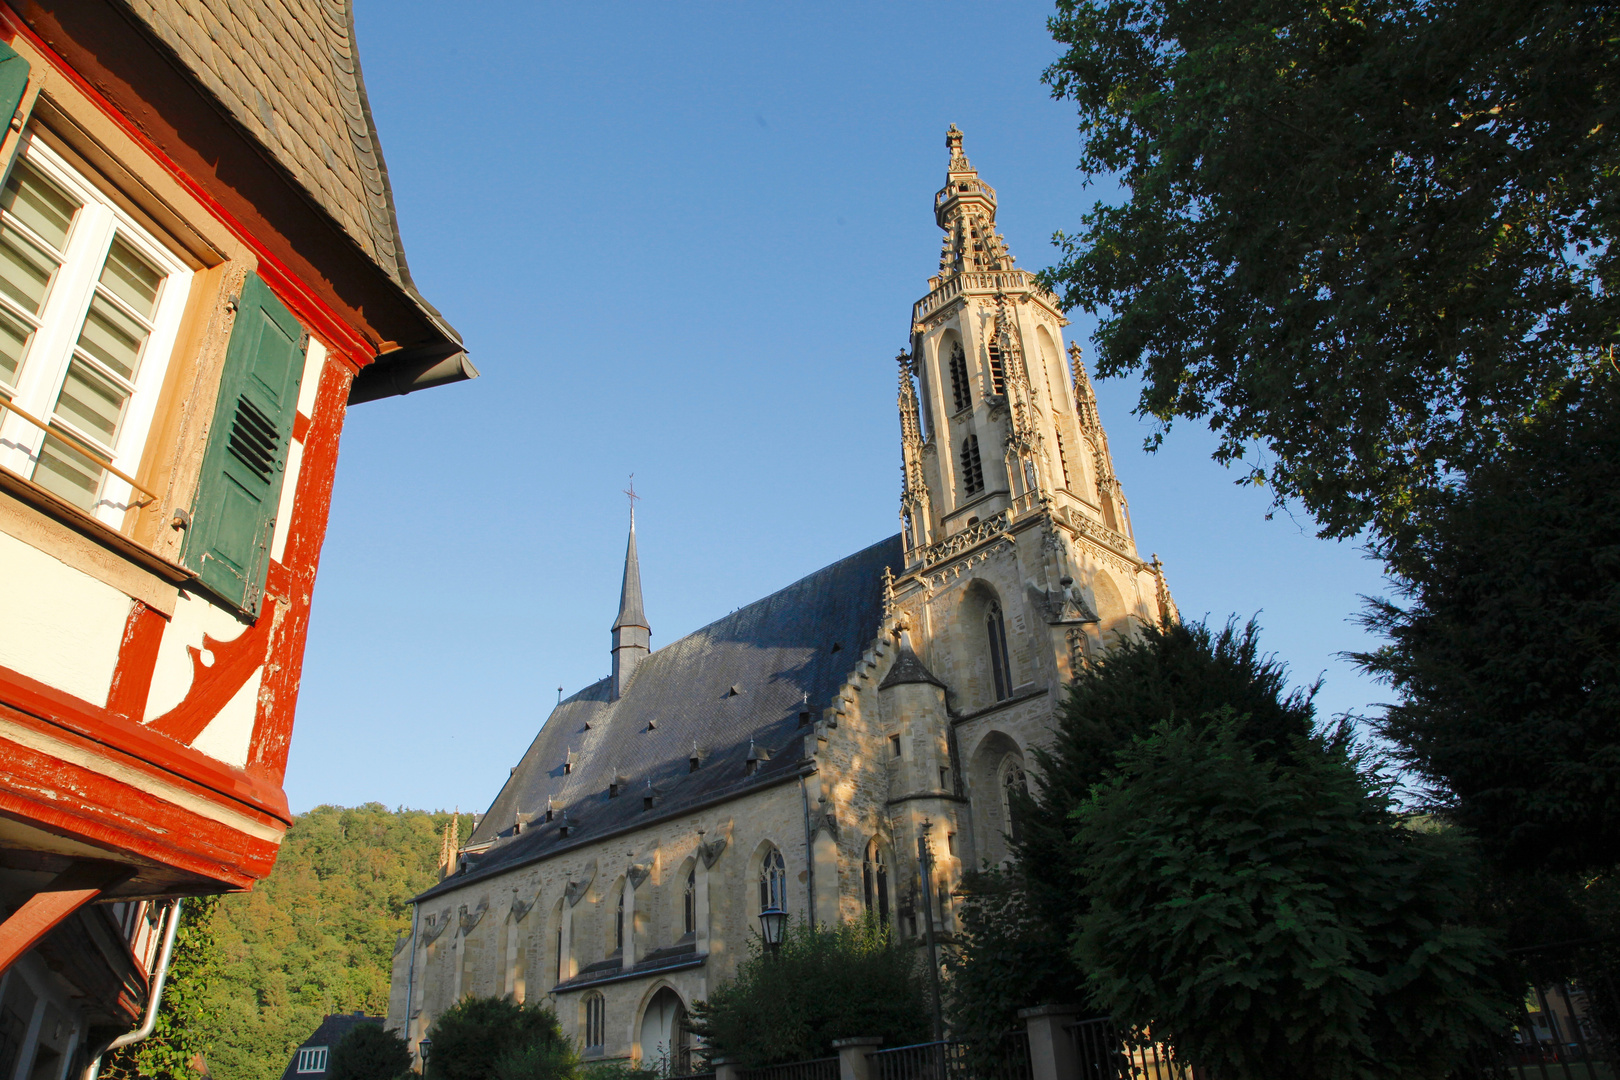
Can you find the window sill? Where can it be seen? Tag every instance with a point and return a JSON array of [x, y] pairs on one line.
[[68, 534]]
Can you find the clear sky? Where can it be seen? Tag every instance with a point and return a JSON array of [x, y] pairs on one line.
[[682, 241]]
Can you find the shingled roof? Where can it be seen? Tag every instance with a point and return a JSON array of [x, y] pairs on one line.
[[288, 72], [733, 689]]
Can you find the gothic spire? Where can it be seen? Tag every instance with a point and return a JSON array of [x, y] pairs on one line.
[[632, 638], [966, 209]]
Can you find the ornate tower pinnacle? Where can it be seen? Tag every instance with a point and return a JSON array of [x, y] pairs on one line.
[[632, 638], [966, 209]]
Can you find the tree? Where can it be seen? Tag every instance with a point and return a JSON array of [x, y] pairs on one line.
[[477, 1034], [1270, 918], [1366, 237], [1507, 653], [181, 1033], [369, 1052], [823, 983]]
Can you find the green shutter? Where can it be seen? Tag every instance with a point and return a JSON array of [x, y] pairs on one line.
[[235, 515], [13, 81]]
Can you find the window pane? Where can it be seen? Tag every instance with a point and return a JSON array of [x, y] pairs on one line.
[[90, 403], [131, 279], [39, 205], [112, 337], [25, 270], [14, 339], [68, 473]]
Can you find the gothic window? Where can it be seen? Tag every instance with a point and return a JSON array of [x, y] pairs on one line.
[[960, 387], [998, 370], [1013, 784], [773, 882], [996, 629], [618, 925], [559, 955], [875, 883], [972, 468], [689, 902], [595, 1022]]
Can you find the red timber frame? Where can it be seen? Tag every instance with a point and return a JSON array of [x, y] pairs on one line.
[[99, 775]]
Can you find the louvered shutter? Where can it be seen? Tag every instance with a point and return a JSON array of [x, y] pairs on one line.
[[246, 459], [13, 81]]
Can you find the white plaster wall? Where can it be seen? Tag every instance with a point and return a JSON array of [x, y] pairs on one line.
[[57, 624], [230, 733], [193, 617]]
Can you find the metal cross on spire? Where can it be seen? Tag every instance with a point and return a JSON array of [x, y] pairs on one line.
[[630, 493]]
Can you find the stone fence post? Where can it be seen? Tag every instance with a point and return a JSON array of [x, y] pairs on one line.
[[1051, 1050], [725, 1069], [852, 1060]]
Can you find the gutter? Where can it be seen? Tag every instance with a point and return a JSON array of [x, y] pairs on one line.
[[153, 1001], [404, 371]]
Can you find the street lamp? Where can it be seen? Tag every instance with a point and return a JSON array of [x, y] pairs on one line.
[[772, 924], [422, 1048]]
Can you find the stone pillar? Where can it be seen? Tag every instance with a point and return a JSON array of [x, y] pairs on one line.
[[853, 1063], [725, 1069], [1051, 1050]]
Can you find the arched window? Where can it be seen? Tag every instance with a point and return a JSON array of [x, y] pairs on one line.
[[618, 925], [595, 1022], [689, 902], [773, 882], [1001, 670], [972, 469], [1013, 784], [961, 389], [875, 879]]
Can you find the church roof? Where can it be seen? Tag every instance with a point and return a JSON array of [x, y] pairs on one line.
[[908, 668], [730, 689]]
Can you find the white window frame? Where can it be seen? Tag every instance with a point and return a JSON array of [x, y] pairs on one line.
[[311, 1059], [45, 367]]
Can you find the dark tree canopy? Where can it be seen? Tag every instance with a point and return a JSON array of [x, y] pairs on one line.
[[1271, 919], [1507, 657], [1365, 237], [477, 1034], [369, 1052]]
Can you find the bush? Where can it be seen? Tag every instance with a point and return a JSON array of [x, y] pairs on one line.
[[1272, 918], [476, 1034], [369, 1052], [539, 1061], [824, 983]]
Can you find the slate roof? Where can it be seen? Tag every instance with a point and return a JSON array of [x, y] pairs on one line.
[[332, 1029], [733, 688], [630, 613], [288, 72]]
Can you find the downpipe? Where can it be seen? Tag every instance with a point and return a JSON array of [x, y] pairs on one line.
[[159, 977]]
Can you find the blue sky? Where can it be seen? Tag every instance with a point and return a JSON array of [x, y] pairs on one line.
[[683, 241]]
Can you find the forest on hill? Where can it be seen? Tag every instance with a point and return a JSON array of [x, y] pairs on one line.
[[316, 937]]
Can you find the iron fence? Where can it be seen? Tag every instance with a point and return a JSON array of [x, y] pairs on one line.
[[1104, 1051], [1566, 1023], [923, 1061], [815, 1069]]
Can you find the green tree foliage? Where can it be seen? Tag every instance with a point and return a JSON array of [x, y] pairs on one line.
[[369, 1052], [1368, 237], [1270, 918], [181, 1032], [542, 1061], [315, 937], [1507, 655], [824, 983], [478, 1034]]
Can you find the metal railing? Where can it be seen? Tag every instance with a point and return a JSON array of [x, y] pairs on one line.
[[815, 1069], [923, 1061], [1567, 1018], [1104, 1051]]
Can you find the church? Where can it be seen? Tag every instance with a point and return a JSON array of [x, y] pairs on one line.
[[793, 754]]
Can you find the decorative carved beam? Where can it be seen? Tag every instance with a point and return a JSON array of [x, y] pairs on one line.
[[70, 890]]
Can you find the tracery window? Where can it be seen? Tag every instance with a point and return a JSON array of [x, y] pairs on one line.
[[595, 1022], [1001, 671], [773, 881], [961, 389], [689, 902], [875, 882], [972, 468]]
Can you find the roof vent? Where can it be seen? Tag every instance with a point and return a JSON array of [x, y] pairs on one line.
[[548, 808], [695, 760], [652, 725], [756, 755], [617, 784], [566, 827], [805, 713], [838, 646], [649, 797], [733, 692]]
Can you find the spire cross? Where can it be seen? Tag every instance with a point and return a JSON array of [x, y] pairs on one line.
[[630, 493]]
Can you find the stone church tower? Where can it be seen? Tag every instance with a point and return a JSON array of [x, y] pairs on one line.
[[793, 754]]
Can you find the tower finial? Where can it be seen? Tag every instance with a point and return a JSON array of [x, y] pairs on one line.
[[630, 492]]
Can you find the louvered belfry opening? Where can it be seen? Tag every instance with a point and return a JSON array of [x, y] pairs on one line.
[[998, 371], [972, 468], [959, 379]]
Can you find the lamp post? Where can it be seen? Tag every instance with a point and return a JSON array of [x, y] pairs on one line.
[[925, 864], [422, 1048], [772, 924]]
